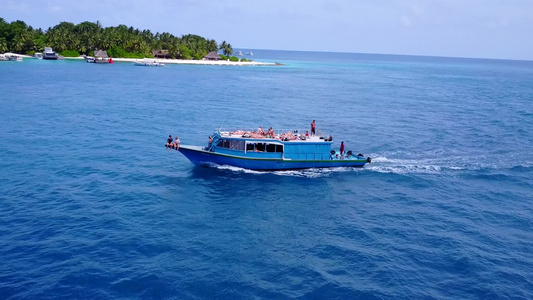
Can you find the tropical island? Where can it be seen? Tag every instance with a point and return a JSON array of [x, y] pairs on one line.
[[83, 39]]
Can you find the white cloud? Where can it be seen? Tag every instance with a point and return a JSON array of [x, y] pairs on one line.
[[54, 8], [406, 21], [16, 6], [503, 22], [417, 10]]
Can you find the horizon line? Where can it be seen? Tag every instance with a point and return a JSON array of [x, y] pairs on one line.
[[392, 54]]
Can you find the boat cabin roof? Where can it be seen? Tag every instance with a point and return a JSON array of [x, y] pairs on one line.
[[285, 137]]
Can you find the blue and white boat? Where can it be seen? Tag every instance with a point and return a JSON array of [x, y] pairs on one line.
[[49, 53], [258, 151], [148, 63]]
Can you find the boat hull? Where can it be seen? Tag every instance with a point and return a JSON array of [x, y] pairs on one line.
[[201, 157], [142, 64]]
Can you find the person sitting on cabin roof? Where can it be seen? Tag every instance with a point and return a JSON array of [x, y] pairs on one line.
[[307, 134], [261, 131], [169, 141], [270, 133]]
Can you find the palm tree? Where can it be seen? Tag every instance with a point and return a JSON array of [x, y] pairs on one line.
[[3, 45], [226, 48], [212, 45]]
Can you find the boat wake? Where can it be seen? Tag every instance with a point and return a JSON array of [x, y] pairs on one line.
[[404, 166], [384, 164], [439, 165], [306, 173]]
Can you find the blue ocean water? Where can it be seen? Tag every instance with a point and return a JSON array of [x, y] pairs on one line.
[[92, 206]]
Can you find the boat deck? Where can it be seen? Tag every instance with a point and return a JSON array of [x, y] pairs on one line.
[[285, 136]]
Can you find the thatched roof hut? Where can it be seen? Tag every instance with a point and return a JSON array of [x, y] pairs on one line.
[[100, 54], [213, 55], [163, 53]]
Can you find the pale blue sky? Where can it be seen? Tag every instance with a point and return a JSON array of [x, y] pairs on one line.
[[461, 28]]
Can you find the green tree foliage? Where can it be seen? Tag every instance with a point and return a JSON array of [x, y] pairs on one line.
[[87, 34], [230, 58], [70, 53], [119, 52], [198, 45], [184, 52], [3, 45], [62, 37], [226, 48], [86, 37]]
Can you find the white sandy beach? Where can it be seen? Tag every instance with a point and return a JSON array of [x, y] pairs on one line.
[[191, 62]]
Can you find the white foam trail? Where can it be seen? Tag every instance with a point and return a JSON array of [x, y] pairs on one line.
[[307, 173], [235, 169], [408, 165], [315, 173], [442, 163], [383, 164]]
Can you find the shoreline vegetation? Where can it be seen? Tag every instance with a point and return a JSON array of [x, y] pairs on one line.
[[171, 61], [122, 43]]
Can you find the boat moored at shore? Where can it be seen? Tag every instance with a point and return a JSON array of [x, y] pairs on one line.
[[49, 53], [256, 150], [148, 63]]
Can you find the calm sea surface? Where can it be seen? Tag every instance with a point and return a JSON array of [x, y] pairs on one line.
[[92, 206]]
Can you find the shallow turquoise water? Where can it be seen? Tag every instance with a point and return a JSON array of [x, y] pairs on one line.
[[93, 206]]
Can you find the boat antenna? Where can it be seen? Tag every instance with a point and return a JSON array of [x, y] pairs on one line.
[[222, 124]]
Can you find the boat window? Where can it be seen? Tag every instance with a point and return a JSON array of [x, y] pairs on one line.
[[271, 148], [250, 147], [260, 147], [236, 145], [279, 148], [231, 144]]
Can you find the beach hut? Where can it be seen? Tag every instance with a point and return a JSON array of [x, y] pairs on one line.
[[100, 56], [213, 55], [163, 53]]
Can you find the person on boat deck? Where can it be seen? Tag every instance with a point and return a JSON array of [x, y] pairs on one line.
[[169, 141], [270, 132], [177, 144], [210, 142], [307, 134], [261, 131], [313, 128], [342, 149]]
